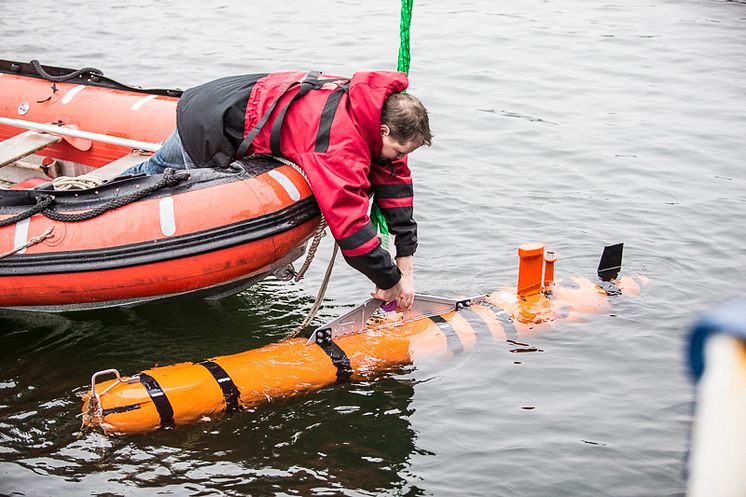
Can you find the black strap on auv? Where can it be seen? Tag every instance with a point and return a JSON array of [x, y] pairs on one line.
[[453, 342], [336, 354], [226, 384], [478, 324], [158, 396], [120, 409]]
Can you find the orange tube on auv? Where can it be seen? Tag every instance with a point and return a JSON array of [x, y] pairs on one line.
[[170, 396], [363, 343]]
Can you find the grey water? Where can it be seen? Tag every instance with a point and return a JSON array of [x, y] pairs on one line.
[[575, 124]]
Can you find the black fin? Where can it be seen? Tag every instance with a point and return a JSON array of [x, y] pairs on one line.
[[611, 262]]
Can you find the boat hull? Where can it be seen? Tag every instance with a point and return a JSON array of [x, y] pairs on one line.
[[217, 230]]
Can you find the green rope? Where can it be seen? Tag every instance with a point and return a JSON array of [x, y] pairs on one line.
[[406, 20], [376, 216]]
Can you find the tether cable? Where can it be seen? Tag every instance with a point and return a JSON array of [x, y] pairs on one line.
[[42, 202]]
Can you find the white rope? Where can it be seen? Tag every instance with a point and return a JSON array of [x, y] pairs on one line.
[[83, 182], [32, 241], [319, 297]]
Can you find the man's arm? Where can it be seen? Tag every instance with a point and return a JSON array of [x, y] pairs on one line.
[[395, 197], [340, 186]]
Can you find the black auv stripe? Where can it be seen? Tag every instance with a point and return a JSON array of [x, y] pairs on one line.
[[453, 342], [158, 396], [339, 359], [231, 393], [504, 318], [478, 324], [327, 118], [117, 410]]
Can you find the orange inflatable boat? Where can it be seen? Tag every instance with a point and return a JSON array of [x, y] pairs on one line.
[[360, 343], [83, 101], [128, 240]]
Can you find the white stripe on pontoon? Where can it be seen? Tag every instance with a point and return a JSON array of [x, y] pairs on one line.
[[21, 235], [136, 106], [69, 96], [168, 219], [286, 183]]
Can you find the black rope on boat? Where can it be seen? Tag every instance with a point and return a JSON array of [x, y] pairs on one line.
[[42, 202], [65, 77], [170, 178]]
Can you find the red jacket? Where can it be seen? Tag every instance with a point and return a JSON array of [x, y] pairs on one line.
[[332, 132]]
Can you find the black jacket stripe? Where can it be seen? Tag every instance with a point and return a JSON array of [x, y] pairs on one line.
[[226, 384], [402, 224], [401, 190], [377, 266], [358, 238], [453, 342], [327, 117], [158, 396]]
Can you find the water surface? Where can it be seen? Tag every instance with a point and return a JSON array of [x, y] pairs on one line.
[[575, 124]]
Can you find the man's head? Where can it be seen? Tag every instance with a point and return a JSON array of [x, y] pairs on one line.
[[404, 126]]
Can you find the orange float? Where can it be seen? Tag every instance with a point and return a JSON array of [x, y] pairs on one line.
[[352, 347]]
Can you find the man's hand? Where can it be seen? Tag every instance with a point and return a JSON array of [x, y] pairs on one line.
[[406, 295], [403, 291]]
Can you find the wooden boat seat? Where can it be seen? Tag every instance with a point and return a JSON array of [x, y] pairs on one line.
[[115, 168], [26, 143]]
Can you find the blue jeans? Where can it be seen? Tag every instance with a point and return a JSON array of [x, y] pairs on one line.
[[171, 154]]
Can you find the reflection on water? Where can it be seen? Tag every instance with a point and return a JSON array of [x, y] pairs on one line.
[[351, 437]]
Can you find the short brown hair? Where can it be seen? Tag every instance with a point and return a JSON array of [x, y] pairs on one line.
[[406, 118]]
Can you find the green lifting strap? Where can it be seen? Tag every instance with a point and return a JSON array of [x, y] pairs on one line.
[[379, 222], [376, 216], [406, 20]]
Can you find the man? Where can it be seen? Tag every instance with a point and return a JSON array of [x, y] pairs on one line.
[[350, 136]]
